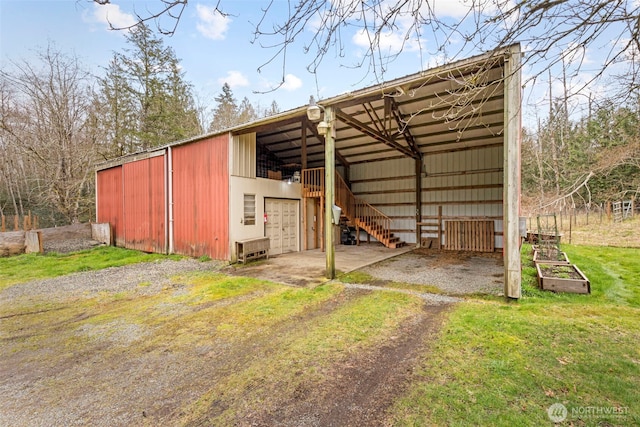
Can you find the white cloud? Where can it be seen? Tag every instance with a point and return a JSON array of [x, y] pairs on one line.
[[450, 8], [390, 42], [435, 61], [234, 79], [291, 83], [110, 15], [211, 23]]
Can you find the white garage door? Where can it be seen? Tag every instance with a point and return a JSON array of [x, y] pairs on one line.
[[282, 225]]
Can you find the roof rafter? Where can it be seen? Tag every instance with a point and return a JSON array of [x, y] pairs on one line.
[[403, 127], [375, 134], [315, 133]]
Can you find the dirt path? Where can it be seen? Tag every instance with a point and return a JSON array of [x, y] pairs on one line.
[[67, 360], [359, 391]]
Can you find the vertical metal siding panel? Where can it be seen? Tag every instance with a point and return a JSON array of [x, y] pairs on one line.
[[201, 198], [144, 204], [157, 204], [110, 207]]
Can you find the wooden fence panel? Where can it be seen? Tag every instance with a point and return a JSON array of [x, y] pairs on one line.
[[469, 235]]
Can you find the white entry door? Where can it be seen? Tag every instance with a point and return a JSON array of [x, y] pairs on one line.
[[282, 225]]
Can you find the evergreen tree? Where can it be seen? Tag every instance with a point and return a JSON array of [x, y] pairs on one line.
[[247, 112], [273, 109], [149, 102], [226, 113]]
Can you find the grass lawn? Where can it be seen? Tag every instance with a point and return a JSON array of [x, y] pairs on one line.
[[246, 346], [23, 268], [505, 363]]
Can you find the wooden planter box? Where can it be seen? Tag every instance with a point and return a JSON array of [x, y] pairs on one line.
[[563, 259], [562, 278]]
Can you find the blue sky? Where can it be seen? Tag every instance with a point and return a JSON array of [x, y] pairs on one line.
[[214, 49]]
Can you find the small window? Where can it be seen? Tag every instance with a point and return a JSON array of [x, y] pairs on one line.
[[249, 209]]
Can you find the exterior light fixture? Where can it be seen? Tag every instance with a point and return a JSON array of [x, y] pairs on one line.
[[314, 111], [323, 127]]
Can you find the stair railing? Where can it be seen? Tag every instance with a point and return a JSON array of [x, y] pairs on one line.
[[374, 221], [356, 209], [345, 198]]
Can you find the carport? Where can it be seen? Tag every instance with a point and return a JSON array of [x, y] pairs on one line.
[[429, 159]]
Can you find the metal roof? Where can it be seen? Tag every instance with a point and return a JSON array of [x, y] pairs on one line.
[[452, 107], [448, 108]]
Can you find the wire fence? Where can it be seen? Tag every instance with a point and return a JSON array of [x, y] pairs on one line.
[[18, 222], [583, 216]]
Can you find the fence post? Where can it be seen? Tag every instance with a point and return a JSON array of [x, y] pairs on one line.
[[2, 226], [601, 213], [561, 225], [569, 229], [16, 223]]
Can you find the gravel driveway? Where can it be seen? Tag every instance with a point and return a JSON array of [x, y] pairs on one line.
[[68, 356], [88, 284], [455, 273]]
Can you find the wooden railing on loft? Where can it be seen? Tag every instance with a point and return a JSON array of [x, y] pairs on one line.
[[313, 182]]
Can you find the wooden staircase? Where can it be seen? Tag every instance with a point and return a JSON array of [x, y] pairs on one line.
[[357, 211]]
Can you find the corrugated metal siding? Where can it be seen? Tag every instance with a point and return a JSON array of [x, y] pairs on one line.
[[201, 198], [144, 204], [110, 201], [465, 183], [244, 155]]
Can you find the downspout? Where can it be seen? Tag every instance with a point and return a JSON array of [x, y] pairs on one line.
[[95, 185], [166, 204], [170, 198]]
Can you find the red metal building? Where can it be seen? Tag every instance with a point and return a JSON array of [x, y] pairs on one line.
[[416, 157]]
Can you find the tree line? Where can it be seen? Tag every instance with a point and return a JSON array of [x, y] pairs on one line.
[[57, 120], [582, 162]]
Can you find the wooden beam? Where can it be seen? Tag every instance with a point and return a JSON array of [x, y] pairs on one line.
[[431, 175], [329, 189], [430, 189], [303, 142], [403, 128], [418, 201], [315, 133], [373, 133], [511, 191], [439, 227]]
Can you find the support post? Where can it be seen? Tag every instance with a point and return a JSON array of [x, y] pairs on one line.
[[323, 224], [329, 180], [305, 225], [511, 183], [418, 201]]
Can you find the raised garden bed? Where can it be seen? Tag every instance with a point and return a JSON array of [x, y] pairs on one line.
[[562, 278], [550, 257]]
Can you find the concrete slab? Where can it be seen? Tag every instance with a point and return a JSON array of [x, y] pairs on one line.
[[308, 267], [453, 273]]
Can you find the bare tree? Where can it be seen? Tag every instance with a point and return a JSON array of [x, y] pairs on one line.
[[51, 127], [550, 30]]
